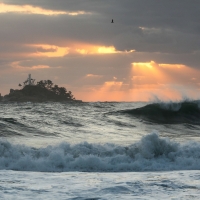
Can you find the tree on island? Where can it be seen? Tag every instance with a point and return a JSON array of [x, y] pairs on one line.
[[60, 91]]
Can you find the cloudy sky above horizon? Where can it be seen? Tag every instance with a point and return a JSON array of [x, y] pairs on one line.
[[151, 51]]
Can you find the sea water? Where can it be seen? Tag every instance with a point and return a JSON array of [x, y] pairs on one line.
[[100, 150]]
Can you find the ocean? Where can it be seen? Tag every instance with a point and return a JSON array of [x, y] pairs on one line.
[[100, 150]]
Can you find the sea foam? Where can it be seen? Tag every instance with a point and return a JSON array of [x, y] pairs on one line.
[[151, 153]]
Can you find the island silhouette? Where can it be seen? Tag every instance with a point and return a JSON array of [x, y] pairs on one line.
[[42, 91]]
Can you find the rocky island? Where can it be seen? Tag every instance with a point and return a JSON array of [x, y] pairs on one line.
[[42, 91]]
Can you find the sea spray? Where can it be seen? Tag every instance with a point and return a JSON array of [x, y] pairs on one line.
[[171, 106]]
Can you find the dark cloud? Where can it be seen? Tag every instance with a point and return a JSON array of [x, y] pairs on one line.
[[169, 27], [41, 49]]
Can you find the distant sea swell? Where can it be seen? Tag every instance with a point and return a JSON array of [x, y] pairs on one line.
[[168, 113], [151, 153]]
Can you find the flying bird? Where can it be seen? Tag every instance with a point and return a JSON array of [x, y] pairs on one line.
[[112, 21]]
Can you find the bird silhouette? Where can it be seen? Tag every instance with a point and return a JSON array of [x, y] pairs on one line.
[[112, 21]]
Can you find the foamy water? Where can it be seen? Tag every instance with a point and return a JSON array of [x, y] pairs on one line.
[[100, 150], [151, 153], [79, 185]]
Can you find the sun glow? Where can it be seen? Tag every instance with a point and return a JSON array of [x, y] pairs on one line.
[[109, 91], [149, 81], [148, 73], [168, 81], [93, 49], [105, 50]]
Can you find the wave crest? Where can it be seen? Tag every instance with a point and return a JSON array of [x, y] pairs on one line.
[[168, 113], [151, 153]]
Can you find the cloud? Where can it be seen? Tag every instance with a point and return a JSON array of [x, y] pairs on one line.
[[45, 50], [93, 76], [139, 25], [16, 65], [40, 67], [92, 49], [29, 9]]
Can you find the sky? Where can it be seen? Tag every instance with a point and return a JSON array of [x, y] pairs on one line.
[[150, 52]]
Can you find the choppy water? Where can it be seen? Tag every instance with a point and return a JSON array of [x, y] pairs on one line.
[[90, 139]]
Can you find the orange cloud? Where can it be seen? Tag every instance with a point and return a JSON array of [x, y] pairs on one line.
[[29, 9], [47, 50], [93, 76], [87, 48], [16, 65], [93, 49], [40, 67]]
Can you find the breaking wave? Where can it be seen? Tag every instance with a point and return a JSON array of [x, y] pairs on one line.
[[169, 113], [151, 153]]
